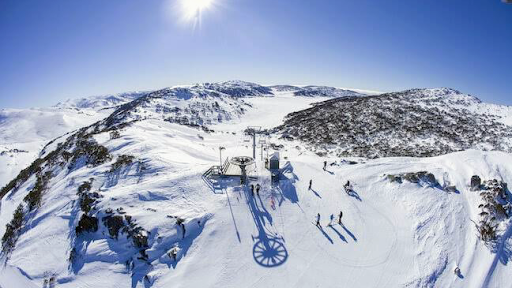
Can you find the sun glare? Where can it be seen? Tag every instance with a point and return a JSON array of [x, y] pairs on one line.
[[191, 10]]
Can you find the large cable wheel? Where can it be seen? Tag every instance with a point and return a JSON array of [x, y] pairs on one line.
[[270, 253]]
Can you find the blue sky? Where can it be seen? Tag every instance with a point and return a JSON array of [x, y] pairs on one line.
[[51, 50]]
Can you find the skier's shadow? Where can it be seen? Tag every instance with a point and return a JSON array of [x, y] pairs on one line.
[[354, 194], [326, 235], [460, 275], [348, 232], [339, 234], [316, 193]]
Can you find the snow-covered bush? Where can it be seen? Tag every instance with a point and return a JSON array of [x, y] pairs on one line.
[[415, 177], [408, 123], [86, 224], [12, 229], [34, 197], [114, 223], [122, 161], [22, 177], [114, 134], [92, 153], [494, 209]]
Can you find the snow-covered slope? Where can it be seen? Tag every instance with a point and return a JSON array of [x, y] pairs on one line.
[[24, 132], [417, 122], [237, 88], [101, 102], [200, 105], [317, 91], [107, 206]]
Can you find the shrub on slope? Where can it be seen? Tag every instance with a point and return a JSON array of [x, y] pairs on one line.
[[418, 123]]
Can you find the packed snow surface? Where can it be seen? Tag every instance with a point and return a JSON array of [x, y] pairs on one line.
[[391, 234], [24, 132]]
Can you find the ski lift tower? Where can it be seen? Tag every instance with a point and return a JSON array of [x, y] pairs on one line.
[[242, 162], [253, 130]]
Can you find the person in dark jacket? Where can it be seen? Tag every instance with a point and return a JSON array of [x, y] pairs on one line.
[[339, 217]]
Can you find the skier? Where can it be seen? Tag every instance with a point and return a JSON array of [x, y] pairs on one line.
[[325, 165], [347, 187], [318, 221], [184, 230], [457, 271], [339, 217], [331, 219], [310, 183], [258, 189], [173, 253], [252, 189]]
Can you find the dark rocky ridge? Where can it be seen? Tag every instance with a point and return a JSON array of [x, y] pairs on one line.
[[417, 122]]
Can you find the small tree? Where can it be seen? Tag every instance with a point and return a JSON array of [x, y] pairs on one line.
[[114, 134], [12, 229]]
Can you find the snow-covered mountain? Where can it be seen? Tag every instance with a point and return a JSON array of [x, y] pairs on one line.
[[316, 91], [417, 122], [101, 102], [24, 132], [125, 201], [236, 88]]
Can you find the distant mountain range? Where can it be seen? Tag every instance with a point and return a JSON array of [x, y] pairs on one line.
[[114, 191], [234, 88]]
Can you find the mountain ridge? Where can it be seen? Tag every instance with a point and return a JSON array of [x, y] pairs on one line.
[[123, 201]]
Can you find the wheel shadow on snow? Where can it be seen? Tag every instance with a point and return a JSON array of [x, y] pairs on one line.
[[269, 250]]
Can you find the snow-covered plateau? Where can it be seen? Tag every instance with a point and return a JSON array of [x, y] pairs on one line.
[[125, 191]]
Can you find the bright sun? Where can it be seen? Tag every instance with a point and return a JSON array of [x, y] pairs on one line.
[[191, 9]]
